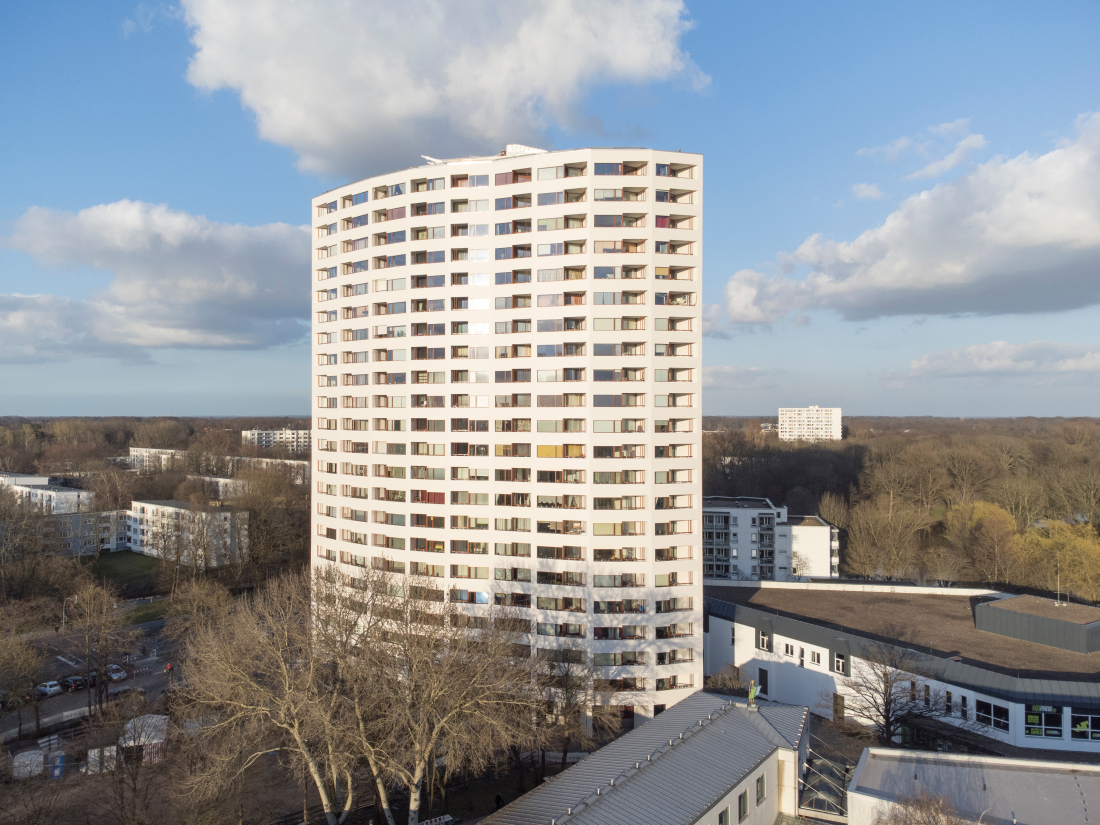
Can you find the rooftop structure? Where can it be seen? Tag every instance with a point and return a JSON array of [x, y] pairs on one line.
[[1074, 627], [689, 764]]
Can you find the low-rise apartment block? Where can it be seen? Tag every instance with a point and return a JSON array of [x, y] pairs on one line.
[[295, 440], [153, 459], [810, 424], [42, 493], [202, 537], [747, 538]]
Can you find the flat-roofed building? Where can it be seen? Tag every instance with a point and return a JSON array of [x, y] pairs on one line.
[[202, 537], [522, 334], [810, 424], [295, 440], [750, 539], [985, 789], [802, 643]]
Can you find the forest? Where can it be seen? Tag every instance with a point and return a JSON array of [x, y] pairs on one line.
[[1006, 502], [68, 446]]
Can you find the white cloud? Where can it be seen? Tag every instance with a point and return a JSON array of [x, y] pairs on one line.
[[955, 127], [930, 145], [963, 149], [1015, 235], [141, 20], [1000, 358], [727, 377], [355, 87], [891, 151], [866, 191], [180, 280]]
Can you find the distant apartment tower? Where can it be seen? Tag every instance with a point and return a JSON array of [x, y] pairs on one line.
[[531, 437], [809, 424], [748, 538], [295, 440]]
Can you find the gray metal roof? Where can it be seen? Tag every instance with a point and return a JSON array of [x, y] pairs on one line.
[[1054, 691], [679, 782], [982, 788]]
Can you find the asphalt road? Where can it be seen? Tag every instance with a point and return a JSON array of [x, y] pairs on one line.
[[65, 662]]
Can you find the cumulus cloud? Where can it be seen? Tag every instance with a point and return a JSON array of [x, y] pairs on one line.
[[1001, 358], [1014, 235], [963, 149], [355, 88], [179, 280], [866, 191], [932, 145]]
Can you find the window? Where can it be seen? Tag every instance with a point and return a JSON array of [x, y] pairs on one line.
[[995, 716], [1084, 723], [724, 816], [761, 788], [815, 657], [1042, 720], [763, 640], [762, 682], [840, 663], [742, 805], [788, 650], [733, 635]]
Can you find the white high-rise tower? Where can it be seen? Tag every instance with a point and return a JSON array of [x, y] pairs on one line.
[[507, 359]]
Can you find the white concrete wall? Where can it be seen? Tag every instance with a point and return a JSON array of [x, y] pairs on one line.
[[330, 454]]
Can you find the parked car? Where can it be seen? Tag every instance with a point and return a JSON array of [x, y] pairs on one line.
[[118, 694], [116, 673], [73, 683], [48, 689]]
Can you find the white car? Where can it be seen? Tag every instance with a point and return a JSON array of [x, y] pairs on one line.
[[48, 689], [116, 673]]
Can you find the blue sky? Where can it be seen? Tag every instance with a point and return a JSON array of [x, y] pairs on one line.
[[902, 203]]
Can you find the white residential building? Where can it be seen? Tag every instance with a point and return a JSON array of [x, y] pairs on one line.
[[206, 537], [507, 389], [296, 440], [152, 459], [810, 424], [747, 538], [1017, 670], [40, 491]]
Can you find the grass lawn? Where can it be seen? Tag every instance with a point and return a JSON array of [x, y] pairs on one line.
[[148, 612], [135, 573]]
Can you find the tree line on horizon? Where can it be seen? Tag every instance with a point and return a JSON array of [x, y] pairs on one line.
[[1007, 502]]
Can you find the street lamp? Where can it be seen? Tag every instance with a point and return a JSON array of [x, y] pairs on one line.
[[74, 598]]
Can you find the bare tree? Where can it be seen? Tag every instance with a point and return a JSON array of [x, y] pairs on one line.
[[259, 682], [945, 565], [572, 710], [101, 635], [888, 693], [727, 680], [127, 751], [445, 684], [923, 810]]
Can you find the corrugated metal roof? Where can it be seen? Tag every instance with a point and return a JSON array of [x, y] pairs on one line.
[[679, 782]]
